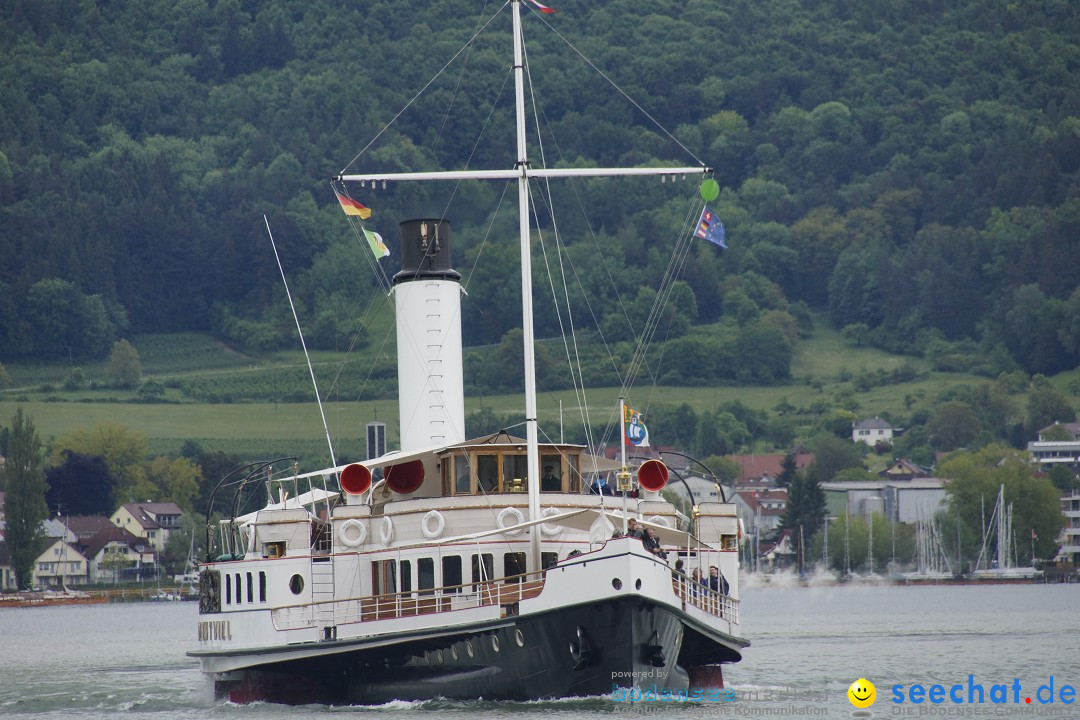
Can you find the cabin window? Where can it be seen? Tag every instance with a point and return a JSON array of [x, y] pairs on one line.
[[228, 588], [513, 564], [483, 568], [487, 472], [262, 586], [575, 473], [296, 584], [461, 475], [274, 549], [425, 576], [548, 559], [239, 589], [384, 577], [451, 573], [406, 576], [551, 475], [515, 473], [250, 588]]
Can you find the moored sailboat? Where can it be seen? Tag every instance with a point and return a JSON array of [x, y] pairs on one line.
[[451, 567]]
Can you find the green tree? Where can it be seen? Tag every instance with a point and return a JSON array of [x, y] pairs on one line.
[[973, 488], [856, 332], [788, 471], [831, 455], [151, 391], [175, 480], [24, 481], [953, 425], [1046, 406], [124, 451], [805, 511], [123, 369]]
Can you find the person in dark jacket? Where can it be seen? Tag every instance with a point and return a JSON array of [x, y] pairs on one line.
[[717, 581], [652, 544]]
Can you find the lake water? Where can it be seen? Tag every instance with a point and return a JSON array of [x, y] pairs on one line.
[[809, 645]]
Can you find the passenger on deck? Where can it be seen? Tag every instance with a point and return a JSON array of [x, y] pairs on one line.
[[600, 486], [717, 581], [632, 530], [652, 544]]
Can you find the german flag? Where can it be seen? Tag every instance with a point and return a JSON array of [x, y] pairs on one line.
[[351, 207]]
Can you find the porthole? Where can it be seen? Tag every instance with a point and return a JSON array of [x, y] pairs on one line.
[[468, 647], [296, 584], [637, 584], [495, 643], [616, 583], [519, 637]]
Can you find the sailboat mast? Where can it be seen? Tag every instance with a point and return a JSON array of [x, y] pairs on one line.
[[532, 446]]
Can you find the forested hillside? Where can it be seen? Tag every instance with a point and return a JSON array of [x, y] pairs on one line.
[[909, 165]]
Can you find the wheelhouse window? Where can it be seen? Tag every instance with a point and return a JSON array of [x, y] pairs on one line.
[[406, 576], [487, 473], [462, 481], [551, 473], [515, 476], [574, 472]]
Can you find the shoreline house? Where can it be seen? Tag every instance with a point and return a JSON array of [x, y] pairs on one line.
[[7, 572], [1058, 444], [116, 555], [760, 511], [1069, 540], [61, 564], [149, 520]]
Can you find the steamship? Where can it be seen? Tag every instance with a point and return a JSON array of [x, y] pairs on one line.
[[449, 568]]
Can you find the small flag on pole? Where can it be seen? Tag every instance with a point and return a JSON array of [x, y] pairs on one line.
[[710, 228], [375, 241], [634, 431], [542, 8], [351, 207]]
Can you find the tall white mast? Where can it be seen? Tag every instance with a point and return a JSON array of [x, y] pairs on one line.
[[522, 172], [531, 442]]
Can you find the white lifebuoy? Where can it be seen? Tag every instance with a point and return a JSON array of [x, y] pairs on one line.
[[386, 531], [547, 528], [425, 525], [352, 533], [518, 518], [657, 520]]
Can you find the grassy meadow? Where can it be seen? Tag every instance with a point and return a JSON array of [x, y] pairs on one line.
[[822, 373]]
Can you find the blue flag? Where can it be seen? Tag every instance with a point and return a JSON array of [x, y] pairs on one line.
[[710, 228]]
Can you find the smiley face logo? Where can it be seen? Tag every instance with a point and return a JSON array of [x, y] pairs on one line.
[[862, 693]]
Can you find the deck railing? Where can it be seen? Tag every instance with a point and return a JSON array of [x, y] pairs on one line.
[[692, 592], [504, 592]]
